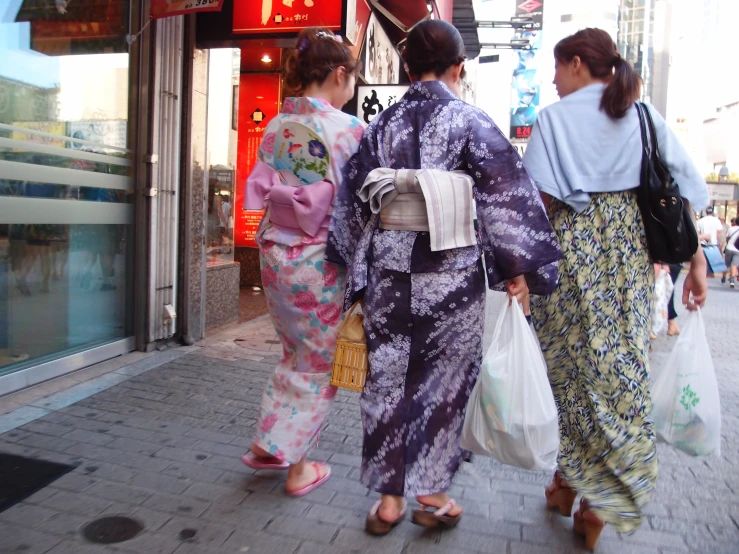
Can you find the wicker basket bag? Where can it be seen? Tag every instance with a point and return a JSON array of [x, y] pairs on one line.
[[350, 362]]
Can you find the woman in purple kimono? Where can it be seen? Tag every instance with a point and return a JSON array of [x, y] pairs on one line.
[[415, 256]]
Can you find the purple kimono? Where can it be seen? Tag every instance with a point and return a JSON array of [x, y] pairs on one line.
[[424, 310]]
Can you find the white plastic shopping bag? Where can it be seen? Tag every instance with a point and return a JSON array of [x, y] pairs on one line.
[[662, 291], [686, 407], [511, 415]]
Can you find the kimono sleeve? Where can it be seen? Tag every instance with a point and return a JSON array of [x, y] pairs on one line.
[[351, 215], [517, 238]]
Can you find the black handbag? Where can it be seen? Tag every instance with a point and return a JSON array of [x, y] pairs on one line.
[[668, 221]]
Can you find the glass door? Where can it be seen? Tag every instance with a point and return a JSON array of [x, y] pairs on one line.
[[66, 189]]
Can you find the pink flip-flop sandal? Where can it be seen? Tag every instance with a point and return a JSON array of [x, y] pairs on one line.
[[250, 460], [315, 484]]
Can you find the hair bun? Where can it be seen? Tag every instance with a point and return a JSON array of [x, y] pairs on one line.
[[316, 54], [433, 46]]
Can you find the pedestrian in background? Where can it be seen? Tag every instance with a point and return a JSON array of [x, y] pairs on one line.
[[731, 253], [672, 327], [712, 233], [594, 328], [710, 228]]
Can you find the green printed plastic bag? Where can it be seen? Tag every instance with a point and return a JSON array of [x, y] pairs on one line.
[[686, 405]]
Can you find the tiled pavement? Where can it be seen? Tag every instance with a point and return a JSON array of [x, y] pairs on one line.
[[162, 445]]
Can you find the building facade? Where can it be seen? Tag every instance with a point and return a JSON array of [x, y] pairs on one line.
[[126, 134]]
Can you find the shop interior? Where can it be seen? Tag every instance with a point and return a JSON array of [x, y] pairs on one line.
[[245, 91]]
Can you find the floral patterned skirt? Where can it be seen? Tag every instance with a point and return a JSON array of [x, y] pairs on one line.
[[305, 296], [424, 337], [594, 332]]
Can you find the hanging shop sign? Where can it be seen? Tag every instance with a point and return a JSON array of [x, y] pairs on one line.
[[381, 60], [285, 16], [373, 99], [358, 15], [526, 84], [259, 102], [167, 8]]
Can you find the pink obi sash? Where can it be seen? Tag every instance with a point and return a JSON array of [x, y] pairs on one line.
[[291, 205]]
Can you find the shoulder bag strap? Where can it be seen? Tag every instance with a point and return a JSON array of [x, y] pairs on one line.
[[644, 181], [652, 131], [643, 127]]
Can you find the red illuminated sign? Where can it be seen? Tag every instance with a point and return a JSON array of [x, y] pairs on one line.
[[285, 16], [259, 102], [521, 131]]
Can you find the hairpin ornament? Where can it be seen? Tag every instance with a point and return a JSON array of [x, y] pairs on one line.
[[304, 42], [324, 34]]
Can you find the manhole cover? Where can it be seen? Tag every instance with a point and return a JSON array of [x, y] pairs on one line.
[[188, 534], [110, 530]]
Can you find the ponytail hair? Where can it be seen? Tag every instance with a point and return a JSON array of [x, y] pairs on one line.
[[596, 49]]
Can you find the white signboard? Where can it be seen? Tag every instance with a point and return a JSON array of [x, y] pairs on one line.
[[381, 60], [106, 133], [520, 146], [721, 193], [372, 99]]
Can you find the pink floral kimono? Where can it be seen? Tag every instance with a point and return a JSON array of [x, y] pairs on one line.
[[307, 144]]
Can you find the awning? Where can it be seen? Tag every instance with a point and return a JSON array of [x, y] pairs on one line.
[[466, 23], [399, 16], [168, 8]]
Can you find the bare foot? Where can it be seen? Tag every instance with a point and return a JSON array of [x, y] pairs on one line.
[[672, 328], [390, 508], [439, 500], [303, 474], [264, 456]]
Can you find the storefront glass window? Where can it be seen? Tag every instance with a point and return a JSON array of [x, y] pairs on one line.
[[66, 190], [222, 139]]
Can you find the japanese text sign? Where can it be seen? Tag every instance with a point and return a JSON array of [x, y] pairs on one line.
[[285, 16]]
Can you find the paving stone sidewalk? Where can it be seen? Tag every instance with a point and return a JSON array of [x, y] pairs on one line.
[[163, 447]]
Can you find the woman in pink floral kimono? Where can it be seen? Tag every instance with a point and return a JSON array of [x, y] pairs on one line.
[[298, 173]]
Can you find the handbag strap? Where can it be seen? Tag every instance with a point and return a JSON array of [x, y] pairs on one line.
[[350, 311], [642, 125], [647, 144], [652, 131], [644, 177]]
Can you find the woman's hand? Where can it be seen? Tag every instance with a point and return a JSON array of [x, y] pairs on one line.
[[518, 289], [695, 283]]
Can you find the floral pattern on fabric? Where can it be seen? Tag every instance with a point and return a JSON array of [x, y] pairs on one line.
[[430, 128], [594, 333], [424, 310], [424, 336], [304, 292]]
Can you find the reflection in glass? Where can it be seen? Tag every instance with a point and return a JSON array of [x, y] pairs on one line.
[[222, 137], [66, 211]]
